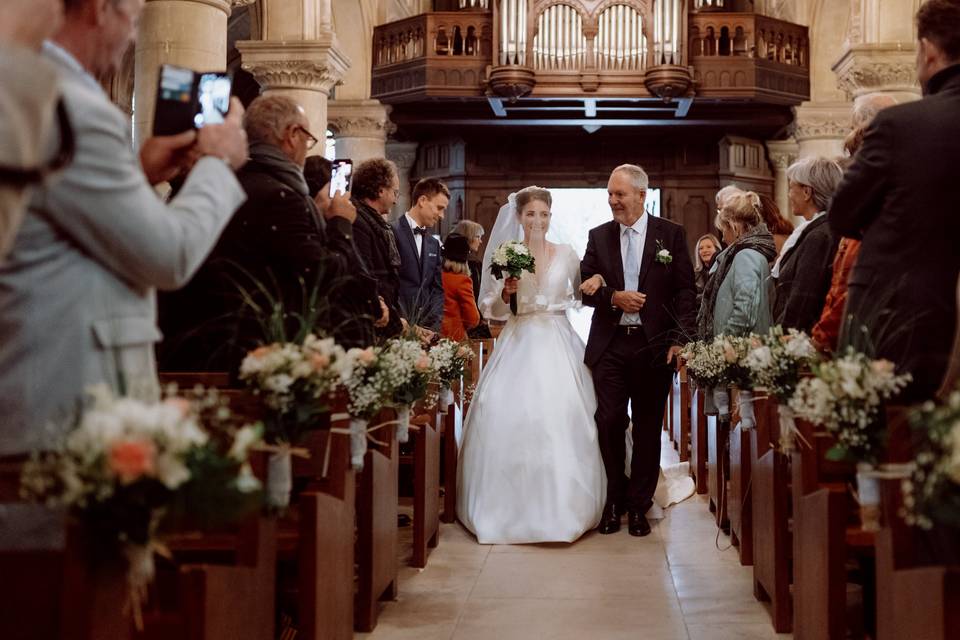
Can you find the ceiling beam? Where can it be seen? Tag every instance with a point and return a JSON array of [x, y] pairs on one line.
[[579, 122]]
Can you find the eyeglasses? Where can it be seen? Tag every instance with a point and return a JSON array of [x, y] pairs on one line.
[[311, 139]]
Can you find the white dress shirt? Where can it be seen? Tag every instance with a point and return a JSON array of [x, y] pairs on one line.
[[417, 237], [791, 242], [639, 240]]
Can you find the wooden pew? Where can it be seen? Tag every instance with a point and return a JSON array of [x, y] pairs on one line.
[[771, 514], [826, 535], [376, 553], [913, 599], [680, 416], [739, 506], [698, 441], [718, 436], [450, 453], [425, 432]]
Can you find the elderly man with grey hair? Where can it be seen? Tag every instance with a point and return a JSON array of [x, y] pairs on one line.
[[802, 272], [279, 245]]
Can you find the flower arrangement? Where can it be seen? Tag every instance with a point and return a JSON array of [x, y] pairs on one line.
[[449, 361], [407, 370], [717, 363], [931, 495], [368, 391], [845, 395], [512, 258], [294, 381], [129, 466]]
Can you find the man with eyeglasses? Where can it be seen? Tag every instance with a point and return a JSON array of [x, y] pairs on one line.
[[278, 249]]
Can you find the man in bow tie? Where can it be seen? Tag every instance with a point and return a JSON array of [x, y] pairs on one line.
[[421, 284]]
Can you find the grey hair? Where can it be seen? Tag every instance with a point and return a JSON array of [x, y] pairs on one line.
[[739, 211], [726, 192], [821, 174], [469, 229], [268, 117], [866, 108], [637, 175]]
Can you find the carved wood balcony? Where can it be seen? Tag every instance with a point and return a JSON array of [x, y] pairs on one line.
[[606, 50], [749, 56]]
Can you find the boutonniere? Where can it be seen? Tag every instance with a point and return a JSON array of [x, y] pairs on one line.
[[663, 255]]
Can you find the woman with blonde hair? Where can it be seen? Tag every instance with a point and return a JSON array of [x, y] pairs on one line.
[[708, 246], [735, 298]]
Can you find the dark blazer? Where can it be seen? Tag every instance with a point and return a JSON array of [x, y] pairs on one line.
[[377, 246], [669, 316], [421, 277], [900, 195], [276, 240], [805, 274]]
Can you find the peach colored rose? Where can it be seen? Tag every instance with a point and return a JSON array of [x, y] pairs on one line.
[[132, 459], [422, 363], [182, 404], [319, 361], [367, 356], [262, 352]]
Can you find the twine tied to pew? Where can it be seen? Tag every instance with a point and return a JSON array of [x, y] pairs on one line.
[[359, 433]]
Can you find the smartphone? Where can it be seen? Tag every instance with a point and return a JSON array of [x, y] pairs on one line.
[[189, 100], [341, 175]]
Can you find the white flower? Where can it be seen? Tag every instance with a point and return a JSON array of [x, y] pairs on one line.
[[663, 253]]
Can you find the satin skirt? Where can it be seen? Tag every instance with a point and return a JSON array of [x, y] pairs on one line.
[[529, 464]]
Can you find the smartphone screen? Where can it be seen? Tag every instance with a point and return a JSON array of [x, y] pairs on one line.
[[214, 98], [340, 176]]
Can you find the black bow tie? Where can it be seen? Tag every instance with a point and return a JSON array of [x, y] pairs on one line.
[[419, 231]]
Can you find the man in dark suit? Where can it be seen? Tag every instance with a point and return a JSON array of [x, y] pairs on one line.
[[644, 309], [421, 284], [900, 196]]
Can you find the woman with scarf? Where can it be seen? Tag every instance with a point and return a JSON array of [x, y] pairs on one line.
[[735, 299]]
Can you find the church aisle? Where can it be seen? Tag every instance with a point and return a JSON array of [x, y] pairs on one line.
[[672, 585]]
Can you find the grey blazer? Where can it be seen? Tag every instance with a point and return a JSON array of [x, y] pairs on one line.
[[77, 294]]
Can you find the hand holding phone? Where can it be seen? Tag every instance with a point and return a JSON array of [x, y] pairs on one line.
[[187, 100], [341, 177]]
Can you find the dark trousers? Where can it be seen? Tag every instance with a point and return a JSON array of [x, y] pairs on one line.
[[631, 370]]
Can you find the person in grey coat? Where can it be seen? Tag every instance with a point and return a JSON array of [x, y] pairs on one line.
[[804, 269], [77, 292], [735, 299]]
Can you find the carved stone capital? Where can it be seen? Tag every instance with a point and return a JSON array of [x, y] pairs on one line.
[[223, 5], [782, 153], [813, 121], [403, 154], [307, 64], [360, 119], [236, 4], [868, 68]]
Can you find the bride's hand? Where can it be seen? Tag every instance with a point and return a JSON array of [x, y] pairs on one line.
[[591, 286], [509, 288]]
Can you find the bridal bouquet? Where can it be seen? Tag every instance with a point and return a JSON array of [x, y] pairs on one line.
[[129, 465], [845, 395], [406, 369], [932, 495], [512, 258], [449, 360]]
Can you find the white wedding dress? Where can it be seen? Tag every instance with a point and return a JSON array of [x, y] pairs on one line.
[[530, 467]]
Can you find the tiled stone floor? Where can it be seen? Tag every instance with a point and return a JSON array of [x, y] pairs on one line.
[[672, 585]]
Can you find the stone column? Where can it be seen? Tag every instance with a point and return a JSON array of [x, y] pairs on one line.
[[299, 57], [404, 155], [820, 128], [782, 154], [186, 33], [360, 127]]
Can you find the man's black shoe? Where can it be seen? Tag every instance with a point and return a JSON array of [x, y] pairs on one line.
[[610, 520], [637, 524]]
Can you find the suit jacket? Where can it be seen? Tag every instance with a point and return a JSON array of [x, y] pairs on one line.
[[77, 294], [278, 239], [421, 279], [805, 272], [376, 245], [460, 311], [669, 315], [900, 196]]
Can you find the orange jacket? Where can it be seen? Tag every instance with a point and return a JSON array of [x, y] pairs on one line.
[[827, 330], [459, 307]]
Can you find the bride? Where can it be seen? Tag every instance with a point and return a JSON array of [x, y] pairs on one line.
[[530, 468]]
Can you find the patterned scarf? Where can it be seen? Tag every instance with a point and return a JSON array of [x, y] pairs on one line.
[[760, 240]]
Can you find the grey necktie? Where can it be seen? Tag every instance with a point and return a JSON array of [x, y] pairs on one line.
[[631, 272]]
